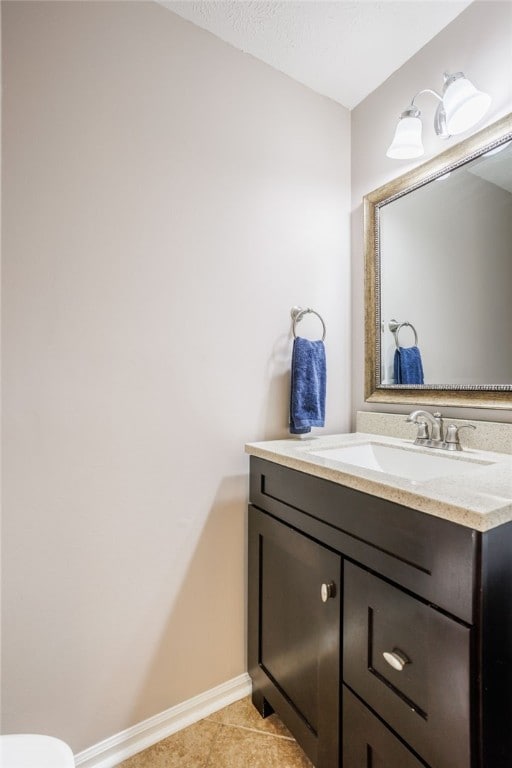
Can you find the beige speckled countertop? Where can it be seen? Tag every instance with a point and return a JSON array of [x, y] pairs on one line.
[[480, 500]]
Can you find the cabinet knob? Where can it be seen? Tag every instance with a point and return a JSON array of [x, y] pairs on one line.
[[396, 659], [328, 590]]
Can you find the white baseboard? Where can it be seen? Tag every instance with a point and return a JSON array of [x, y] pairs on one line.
[[121, 746]]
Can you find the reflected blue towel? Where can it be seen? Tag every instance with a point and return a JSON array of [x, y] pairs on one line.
[[309, 375], [408, 368]]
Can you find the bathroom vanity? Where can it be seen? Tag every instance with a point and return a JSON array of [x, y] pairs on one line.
[[380, 607]]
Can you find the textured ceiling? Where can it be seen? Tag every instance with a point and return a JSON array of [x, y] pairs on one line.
[[343, 50]]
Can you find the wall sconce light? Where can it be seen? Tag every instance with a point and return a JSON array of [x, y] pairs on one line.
[[460, 107]]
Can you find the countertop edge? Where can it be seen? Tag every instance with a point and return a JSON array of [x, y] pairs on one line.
[[478, 521]]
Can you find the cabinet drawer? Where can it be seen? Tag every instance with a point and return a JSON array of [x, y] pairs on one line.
[[434, 558], [427, 701], [367, 743]]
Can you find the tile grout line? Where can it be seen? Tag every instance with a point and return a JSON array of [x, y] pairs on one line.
[[207, 764], [257, 730]]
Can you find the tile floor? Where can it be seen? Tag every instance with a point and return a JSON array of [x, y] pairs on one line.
[[234, 737]]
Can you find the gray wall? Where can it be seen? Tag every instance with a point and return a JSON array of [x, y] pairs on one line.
[[167, 200]]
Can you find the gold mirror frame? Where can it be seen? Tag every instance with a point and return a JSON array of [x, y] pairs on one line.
[[484, 396]]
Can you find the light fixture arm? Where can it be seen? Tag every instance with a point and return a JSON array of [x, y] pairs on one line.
[[427, 90], [440, 115]]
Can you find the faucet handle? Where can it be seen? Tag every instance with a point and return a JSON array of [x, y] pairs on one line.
[[452, 436], [422, 435]]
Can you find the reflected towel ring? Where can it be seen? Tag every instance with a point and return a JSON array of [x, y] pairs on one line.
[[298, 313], [394, 327]]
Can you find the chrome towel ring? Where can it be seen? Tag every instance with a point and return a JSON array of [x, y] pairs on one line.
[[298, 313], [394, 327]]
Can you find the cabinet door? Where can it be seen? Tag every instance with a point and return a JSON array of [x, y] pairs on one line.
[[294, 633]]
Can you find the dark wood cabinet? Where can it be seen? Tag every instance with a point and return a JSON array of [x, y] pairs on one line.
[[295, 586], [369, 744], [423, 691], [382, 636]]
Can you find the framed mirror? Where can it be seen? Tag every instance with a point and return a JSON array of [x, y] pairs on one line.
[[438, 278]]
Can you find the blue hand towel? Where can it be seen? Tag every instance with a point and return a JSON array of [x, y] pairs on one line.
[[307, 397], [408, 367]]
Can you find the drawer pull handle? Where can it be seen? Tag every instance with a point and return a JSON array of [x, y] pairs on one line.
[[396, 659], [328, 590]]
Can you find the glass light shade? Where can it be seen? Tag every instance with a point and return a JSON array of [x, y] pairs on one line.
[[464, 105], [406, 142]]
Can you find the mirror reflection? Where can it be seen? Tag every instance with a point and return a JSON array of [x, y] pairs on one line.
[[446, 269], [439, 278]]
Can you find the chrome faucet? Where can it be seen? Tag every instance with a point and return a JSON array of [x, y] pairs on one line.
[[436, 437], [433, 440]]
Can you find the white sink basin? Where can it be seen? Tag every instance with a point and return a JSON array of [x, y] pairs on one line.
[[409, 463]]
